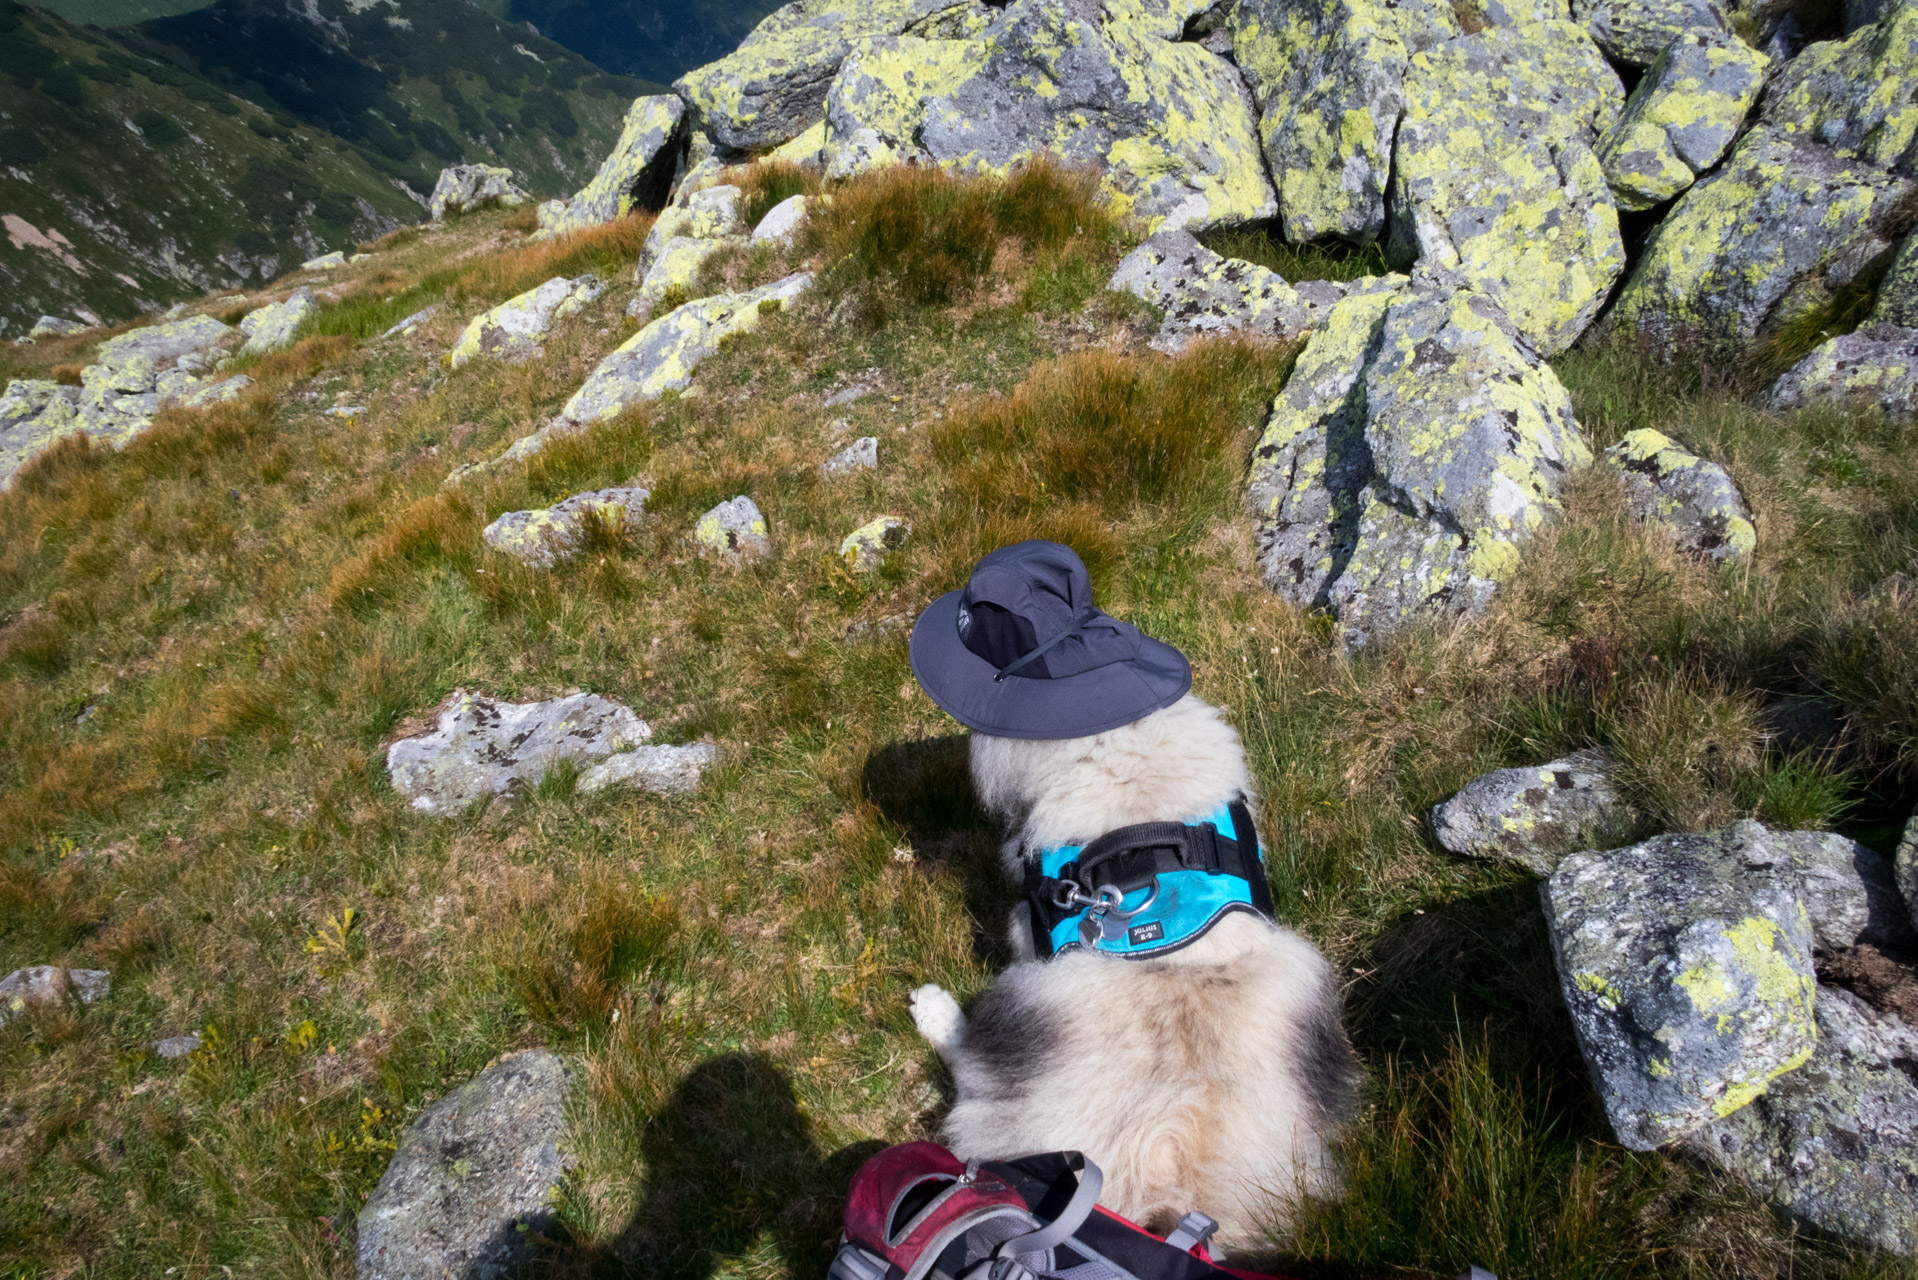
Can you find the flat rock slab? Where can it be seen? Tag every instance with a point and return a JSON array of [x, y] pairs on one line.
[[517, 328], [544, 537], [1686, 966], [1537, 815], [484, 747], [1871, 368], [271, 327], [861, 455], [1835, 1143], [1692, 500], [473, 1177]]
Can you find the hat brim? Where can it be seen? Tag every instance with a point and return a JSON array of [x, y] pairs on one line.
[[963, 685]]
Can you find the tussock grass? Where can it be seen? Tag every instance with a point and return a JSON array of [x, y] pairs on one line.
[[1329, 261], [208, 640]]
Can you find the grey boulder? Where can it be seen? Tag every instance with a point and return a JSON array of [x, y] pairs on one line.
[[1681, 117], [1535, 816], [1686, 966], [1874, 368], [1636, 32], [1905, 869], [1692, 500], [47, 985], [473, 1177], [271, 327], [1835, 1143], [544, 537], [468, 186]]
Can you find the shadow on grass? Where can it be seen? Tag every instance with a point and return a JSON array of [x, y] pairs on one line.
[[730, 1165], [924, 787]]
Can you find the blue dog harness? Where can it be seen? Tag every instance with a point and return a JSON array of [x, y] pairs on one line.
[[1150, 889]]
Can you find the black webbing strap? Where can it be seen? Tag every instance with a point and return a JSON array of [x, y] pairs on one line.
[[1131, 857]]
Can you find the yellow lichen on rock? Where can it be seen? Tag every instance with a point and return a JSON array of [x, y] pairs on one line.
[[640, 164], [1680, 118]]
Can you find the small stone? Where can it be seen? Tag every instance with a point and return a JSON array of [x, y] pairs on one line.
[[177, 1046], [861, 455], [866, 548], [846, 395], [271, 327], [472, 1182], [463, 187], [544, 537], [325, 262], [44, 985], [1693, 500], [346, 411], [1835, 1143], [734, 530], [877, 627], [781, 222], [54, 327], [1536, 816], [1686, 967], [482, 747], [1875, 367], [413, 321], [517, 328]]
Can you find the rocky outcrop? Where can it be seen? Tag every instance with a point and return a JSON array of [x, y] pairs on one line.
[[734, 531], [49, 986], [1681, 117], [54, 327], [471, 1184], [1871, 368], [662, 356], [866, 549], [1537, 815], [772, 88], [1835, 1143], [273, 326], [1686, 966], [1798, 211], [1692, 500], [1417, 446], [325, 262], [637, 173], [1638, 32], [464, 187], [483, 747], [516, 329], [136, 375], [544, 537], [1201, 292]]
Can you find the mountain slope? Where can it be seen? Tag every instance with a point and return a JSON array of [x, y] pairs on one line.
[[126, 185], [654, 39], [420, 85]]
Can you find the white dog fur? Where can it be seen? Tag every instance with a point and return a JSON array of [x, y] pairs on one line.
[[1213, 1078]]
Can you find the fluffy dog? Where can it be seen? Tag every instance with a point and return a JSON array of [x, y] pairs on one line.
[[1212, 1078]]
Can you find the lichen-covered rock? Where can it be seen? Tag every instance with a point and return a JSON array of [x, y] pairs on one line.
[[471, 1184], [1850, 893], [1686, 966], [1898, 291], [136, 375], [1636, 32], [1537, 815], [782, 222], [325, 262], [1874, 367], [675, 267], [1417, 446], [662, 356], [772, 88], [1681, 118], [1202, 292], [1328, 79], [48, 985], [468, 186], [861, 455], [664, 769], [517, 328], [866, 548], [1693, 500], [707, 213], [412, 322], [544, 537], [1905, 869], [55, 327], [1167, 123], [1798, 211], [734, 530], [636, 173], [484, 747], [271, 327], [173, 1048], [1835, 1143], [1493, 174]]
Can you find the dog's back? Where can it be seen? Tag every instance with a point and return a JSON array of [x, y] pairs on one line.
[[1212, 1078]]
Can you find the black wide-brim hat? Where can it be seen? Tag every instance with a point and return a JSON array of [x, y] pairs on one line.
[[1020, 651]]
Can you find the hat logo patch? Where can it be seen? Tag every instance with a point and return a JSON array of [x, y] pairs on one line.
[[965, 620]]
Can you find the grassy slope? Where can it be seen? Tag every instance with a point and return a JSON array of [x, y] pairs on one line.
[[150, 214], [117, 13], [254, 600]]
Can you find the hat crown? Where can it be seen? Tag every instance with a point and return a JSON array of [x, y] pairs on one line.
[[1029, 595]]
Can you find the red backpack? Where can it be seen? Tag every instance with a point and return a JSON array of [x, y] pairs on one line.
[[918, 1212]]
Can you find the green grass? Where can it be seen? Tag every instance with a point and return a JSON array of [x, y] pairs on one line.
[[1297, 262], [253, 600]]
